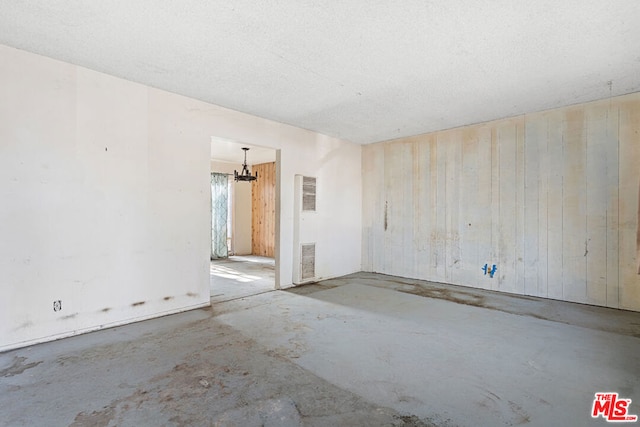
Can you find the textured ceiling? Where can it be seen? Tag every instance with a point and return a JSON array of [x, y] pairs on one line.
[[360, 70]]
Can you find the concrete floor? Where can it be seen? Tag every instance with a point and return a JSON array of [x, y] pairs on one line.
[[241, 276], [364, 350]]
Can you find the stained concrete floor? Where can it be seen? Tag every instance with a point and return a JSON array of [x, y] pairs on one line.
[[364, 350]]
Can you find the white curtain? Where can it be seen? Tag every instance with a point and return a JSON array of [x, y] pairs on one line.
[[219, 201]]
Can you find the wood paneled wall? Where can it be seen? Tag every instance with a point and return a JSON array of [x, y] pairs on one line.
[[263, 205], [550, 198]]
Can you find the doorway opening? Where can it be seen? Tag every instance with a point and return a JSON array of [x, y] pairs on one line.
[[243, 221]]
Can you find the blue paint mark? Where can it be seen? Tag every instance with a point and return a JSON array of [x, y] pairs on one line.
[[491, 270]]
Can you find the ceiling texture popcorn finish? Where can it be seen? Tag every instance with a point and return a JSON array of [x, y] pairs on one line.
[[364, 71]]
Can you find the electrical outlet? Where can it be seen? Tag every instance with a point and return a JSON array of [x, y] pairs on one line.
[[57, 305]]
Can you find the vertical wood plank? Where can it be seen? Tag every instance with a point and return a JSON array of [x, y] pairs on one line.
[[452, 202], [574, 248], [543, 208], [441, 208], [596, 203], [393, 209], [272, 210], [506, 140], [495, 209], [422, 219], [256, 227], [555, 177], [519, 213], [384, 266], [613, 168], [406, 262], [433, 203], [379, 209], [263, 214], [535, 134], [469, 198], [484, 205], [629, 180], [369, 191]]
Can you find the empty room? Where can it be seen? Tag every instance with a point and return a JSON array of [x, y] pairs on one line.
[[319, 213]]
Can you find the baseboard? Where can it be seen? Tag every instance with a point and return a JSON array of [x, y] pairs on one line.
[[55, 337]]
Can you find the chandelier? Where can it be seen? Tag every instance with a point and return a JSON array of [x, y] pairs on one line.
[[245, 175]]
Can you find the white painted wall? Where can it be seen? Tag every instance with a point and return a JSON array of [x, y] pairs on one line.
[[104, 230], [101, 208], [337, 163], [551, 198], [241, 208]]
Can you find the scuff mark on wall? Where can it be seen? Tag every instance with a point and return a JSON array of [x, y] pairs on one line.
[[26, 324], [386, 222], [135, 304]]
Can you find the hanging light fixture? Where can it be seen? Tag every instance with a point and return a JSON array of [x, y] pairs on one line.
[[245, 175]]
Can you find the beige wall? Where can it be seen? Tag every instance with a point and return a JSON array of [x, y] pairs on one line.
[[551, 198]]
